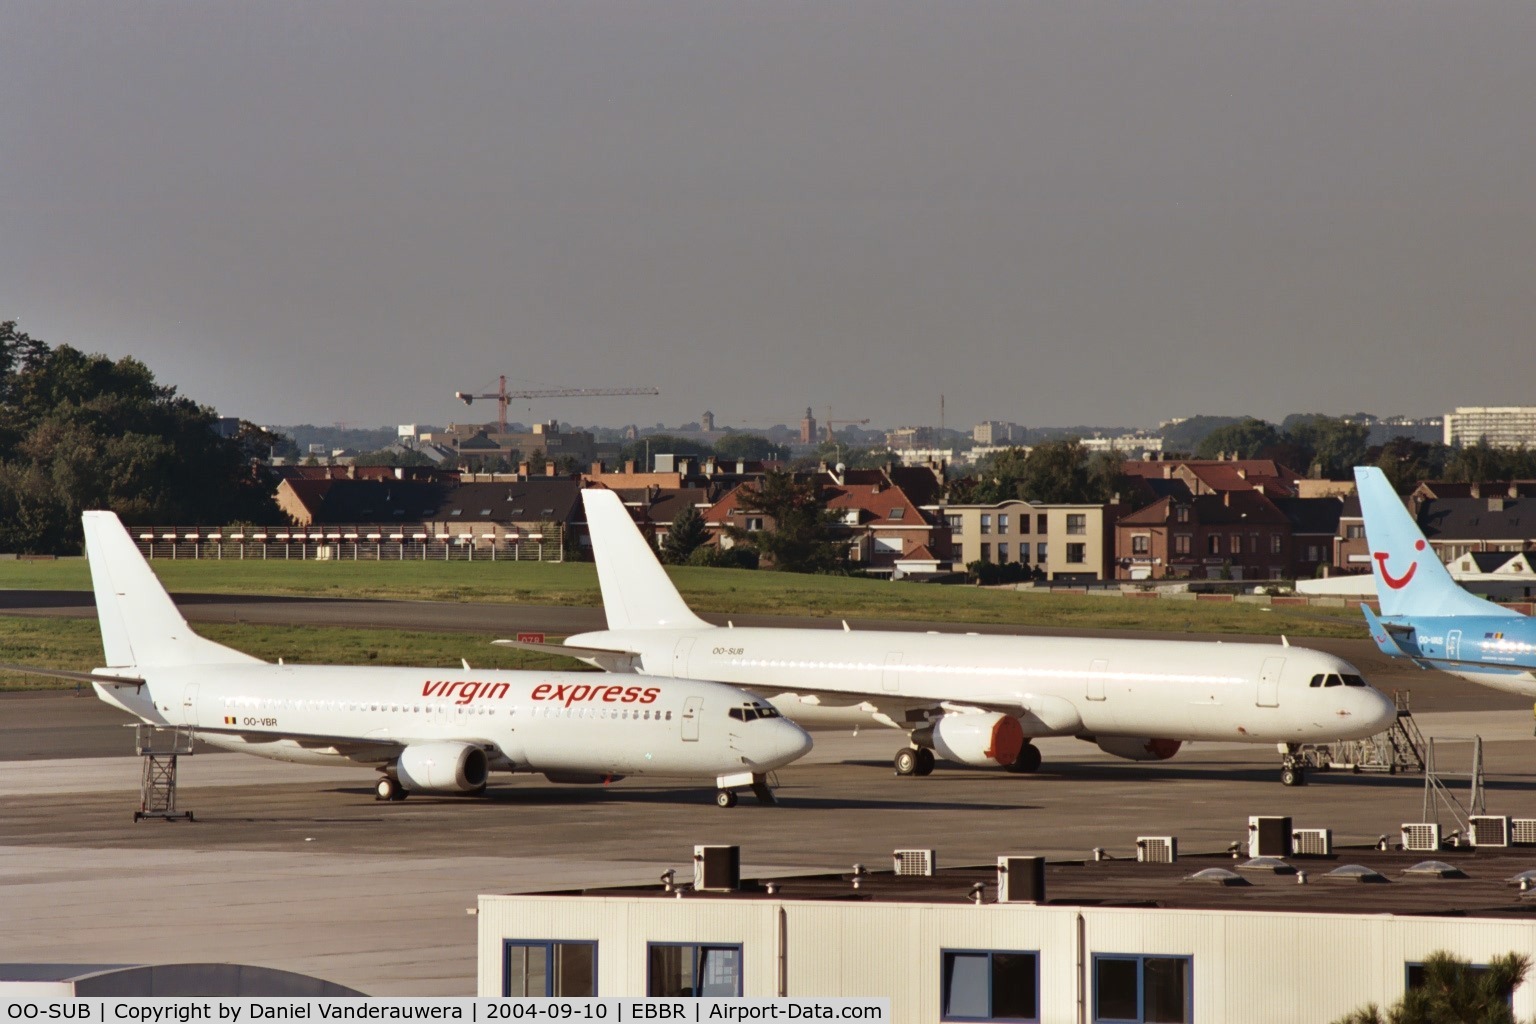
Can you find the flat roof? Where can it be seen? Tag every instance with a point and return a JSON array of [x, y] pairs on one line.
[[1485, 891]]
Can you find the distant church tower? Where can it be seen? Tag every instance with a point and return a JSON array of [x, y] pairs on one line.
[[707, 421], [808, 428]]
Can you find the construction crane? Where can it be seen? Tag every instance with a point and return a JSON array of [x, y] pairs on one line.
[[830, 424], [503, 396]]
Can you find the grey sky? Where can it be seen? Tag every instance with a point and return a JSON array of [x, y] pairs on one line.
[[1049, 212]]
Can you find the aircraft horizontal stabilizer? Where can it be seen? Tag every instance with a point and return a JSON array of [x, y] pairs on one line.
[[83, 677], [606, 658]]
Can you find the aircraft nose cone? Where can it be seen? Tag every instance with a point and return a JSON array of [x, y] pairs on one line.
[[1380, 710], [778, 746]]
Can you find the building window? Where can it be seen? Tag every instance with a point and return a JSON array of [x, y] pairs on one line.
[[1002, 554], [986, 522], [1077, 523], [897, 513], [1181, 514], [1274, 544], [1137, 989], [989, 985], [677, 969], [754, 524], [986, 552], [960, 553], [955, 522], [1077, 554], [1181, 543], [1355, 532], [1024, 552], [1040, 553], [1213, 544], [541, 968], [1237, 543], [1002, 522], [1141, 544], [1040, 522]]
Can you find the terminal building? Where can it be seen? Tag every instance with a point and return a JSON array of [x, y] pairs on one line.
[[1146, 936]]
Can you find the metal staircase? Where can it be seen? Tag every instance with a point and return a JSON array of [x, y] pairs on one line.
[[1401, 748], [160, 747]]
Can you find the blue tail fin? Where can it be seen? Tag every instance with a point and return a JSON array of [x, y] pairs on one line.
[[1410, 578]]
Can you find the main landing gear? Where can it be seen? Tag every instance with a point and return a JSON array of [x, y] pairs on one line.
[[388, 788], [1293, 769], [1028, 760], [913, 761]]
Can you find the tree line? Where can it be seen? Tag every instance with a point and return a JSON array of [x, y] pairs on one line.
[[81, 431]]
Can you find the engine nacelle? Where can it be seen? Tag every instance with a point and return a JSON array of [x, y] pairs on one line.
[[443, 768], [982, 741], [581, 778], [1133, 748]]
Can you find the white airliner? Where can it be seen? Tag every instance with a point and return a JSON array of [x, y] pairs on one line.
[[424, 729], [978, 700]]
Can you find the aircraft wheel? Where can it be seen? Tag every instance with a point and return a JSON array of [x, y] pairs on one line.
[[906, 760], [1292, 776], [925, 761], [725, 798], [388, 788], [1027, 761]]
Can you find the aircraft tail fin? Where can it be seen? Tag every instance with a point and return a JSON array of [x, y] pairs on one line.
[[140, 624], [1410, 578], [636, 591]]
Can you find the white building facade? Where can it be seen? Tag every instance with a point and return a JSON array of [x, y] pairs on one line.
[[1505, 426]]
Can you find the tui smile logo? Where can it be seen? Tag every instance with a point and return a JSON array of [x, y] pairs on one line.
[[1397, 582]]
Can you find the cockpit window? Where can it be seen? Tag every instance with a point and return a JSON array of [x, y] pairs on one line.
[[1333, 681], [752, 712], [1353, 681], [1317, 680]]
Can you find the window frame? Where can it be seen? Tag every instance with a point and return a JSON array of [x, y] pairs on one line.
[[698, 949], [1140, 959], [945, 954], [549, 946]]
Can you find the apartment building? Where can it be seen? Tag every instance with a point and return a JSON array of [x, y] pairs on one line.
[[1072, 543], [1502, 426]]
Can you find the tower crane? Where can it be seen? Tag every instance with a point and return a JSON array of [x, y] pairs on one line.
[[830, 426], [502, 396]]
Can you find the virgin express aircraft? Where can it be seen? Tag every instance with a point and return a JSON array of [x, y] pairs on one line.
[[978, 700], [423, 729], [1425, 615]]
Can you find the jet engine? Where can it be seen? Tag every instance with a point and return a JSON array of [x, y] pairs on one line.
[[443, 767], [1134, 748], [982, 740]]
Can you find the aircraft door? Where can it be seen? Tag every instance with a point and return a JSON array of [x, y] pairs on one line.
[[680, 657], [691, 717], [1096, 673], [1453, 644], [189, 704], [892, 677], [1269, 683]]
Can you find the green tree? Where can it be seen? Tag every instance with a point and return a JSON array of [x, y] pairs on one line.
[[1247, 438], [686, 535], [82, 431], [751, 447], [1332, 446], [799, 534], [1453, 992], [1406, 461]]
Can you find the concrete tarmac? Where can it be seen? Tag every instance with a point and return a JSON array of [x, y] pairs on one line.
[[299, 868]]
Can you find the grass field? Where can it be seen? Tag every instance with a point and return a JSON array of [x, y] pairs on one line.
[[724, 591]]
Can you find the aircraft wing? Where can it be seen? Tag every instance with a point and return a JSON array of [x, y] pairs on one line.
[[1041, 715], [82, 677], [609, 659]]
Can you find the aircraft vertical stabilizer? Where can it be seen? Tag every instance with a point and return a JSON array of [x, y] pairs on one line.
[[636, 591], [1410, 578], [140, 624]]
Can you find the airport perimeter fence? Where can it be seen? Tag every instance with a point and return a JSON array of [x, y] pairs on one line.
[[361, 545]]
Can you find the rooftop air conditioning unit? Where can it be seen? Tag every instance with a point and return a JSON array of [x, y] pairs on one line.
[[1157, 849], [1421, 837], [914, 862], [716, 868], [1488, 830], [1312, 842], [1522, 831], [1269, 837], [1021, 879]]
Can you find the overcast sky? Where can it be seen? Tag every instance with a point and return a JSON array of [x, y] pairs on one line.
[[1048, 212]]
